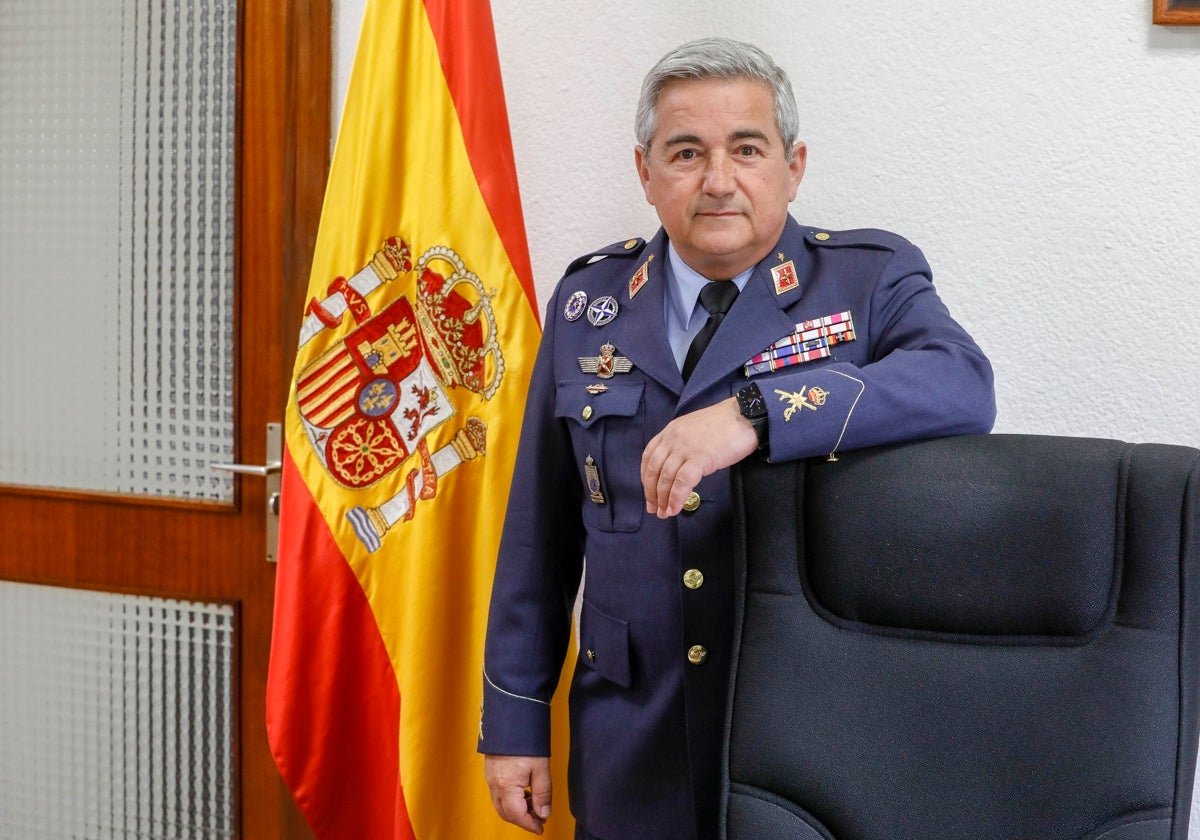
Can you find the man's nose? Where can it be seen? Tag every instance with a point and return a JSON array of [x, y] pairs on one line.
[[719, 177]]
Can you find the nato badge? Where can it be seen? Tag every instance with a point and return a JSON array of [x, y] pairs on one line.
[[602, 310]]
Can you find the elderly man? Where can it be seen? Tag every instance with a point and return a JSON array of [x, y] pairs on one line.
[[734, 332]]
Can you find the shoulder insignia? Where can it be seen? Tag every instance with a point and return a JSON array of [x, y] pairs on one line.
[[860, 238], [624, 248]]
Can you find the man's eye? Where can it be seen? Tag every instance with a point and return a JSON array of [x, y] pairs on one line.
[[687, 154], [747, 151]]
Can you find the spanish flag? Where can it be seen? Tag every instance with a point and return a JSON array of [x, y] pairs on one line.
[[401, 432]]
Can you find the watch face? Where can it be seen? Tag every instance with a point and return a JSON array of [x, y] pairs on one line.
[[751, 402]]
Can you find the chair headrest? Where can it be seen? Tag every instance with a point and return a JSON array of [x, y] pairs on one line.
[[1005, 563]]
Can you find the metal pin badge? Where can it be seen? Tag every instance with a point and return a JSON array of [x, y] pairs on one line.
[[784, 277], [592, 473], [603, 310], [606, 364], [575, 306]]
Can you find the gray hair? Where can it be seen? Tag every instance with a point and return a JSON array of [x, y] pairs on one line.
[[717, 58]]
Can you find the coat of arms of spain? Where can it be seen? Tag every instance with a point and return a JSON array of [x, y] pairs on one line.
[[369, 401]]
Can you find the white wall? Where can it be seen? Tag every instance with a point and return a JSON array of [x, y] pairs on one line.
[[1042, 154]]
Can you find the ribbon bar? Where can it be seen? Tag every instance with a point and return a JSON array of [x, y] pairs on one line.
[[812, 340]]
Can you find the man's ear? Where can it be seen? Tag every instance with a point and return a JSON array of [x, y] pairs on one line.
[[799, 161], [643, 170]]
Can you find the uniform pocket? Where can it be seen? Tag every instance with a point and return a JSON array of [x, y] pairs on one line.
[[604, 645], [608, 433]]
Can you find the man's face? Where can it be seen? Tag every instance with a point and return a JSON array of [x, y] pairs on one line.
[[717, 174]]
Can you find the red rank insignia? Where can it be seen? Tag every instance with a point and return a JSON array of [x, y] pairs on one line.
[[785, 277], [639, 279]]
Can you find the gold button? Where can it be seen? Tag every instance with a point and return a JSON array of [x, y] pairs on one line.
[[587, 412], [591, 655], [692, 501], [693, 578], [821, 237], [697, 654], [631, 244]]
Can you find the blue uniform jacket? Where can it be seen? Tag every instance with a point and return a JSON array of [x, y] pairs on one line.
[[648, 695]]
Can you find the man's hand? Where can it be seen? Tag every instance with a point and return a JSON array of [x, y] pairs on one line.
[[520, 787], [689, 448]]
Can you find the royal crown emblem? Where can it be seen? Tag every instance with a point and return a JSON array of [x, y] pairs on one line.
[[457, 324], [369, 402]]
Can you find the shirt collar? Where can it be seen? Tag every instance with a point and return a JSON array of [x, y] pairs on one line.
[[684, 285]]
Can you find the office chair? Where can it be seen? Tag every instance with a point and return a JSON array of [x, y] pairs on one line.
[[991, 637]]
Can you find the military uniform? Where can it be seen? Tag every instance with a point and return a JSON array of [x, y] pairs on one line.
[[648, 697]]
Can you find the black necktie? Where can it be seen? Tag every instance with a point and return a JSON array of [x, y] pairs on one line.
[[716, 297]]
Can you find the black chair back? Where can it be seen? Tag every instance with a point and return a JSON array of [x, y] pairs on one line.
[[975, 638]]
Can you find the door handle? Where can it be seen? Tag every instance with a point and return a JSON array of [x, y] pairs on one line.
[[271, 472], [250, 469]]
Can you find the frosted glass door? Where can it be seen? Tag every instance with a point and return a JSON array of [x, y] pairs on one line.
[[116, 716], [116, 245]]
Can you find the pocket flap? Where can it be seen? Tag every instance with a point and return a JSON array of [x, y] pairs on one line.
[[604, 644], [620, 399]]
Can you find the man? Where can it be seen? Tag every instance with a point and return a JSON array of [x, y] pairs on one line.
[[835, 341]]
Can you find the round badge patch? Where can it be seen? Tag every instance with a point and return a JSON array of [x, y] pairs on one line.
[[603, 310], [378, 398], [575, 306]]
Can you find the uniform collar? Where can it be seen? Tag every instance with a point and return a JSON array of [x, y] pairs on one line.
[[638, 332]]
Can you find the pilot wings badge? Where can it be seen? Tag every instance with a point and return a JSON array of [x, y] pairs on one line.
[[606, 364]]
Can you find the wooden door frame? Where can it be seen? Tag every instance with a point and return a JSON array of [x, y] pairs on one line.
[[284, 125], [306, 152], [284, 122]]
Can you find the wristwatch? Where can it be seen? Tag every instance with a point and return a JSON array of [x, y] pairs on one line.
[[754, 408]]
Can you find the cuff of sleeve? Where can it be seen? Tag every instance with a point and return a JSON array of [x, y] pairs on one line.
[[511, 724], [808, 415]]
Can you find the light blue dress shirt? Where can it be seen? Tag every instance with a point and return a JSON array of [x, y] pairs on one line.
[[684, 313]]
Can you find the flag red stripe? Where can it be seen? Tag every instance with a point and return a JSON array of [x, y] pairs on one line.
[[333, 706], [467, 48]]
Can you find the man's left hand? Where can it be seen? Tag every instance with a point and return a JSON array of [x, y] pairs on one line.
[[689, 448]]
